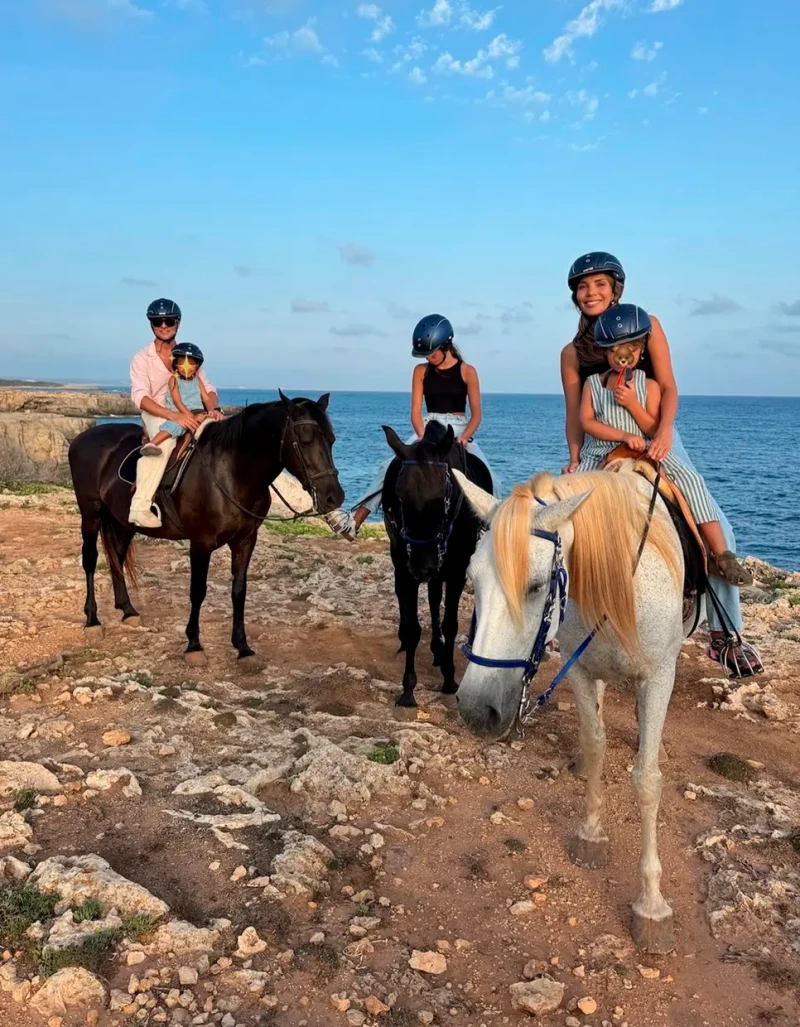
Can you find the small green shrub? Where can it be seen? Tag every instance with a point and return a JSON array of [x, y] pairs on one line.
[[138, 924], [90, 954], [384, 754], [19, 908], [515, 845], [90, 909], [25, 798]]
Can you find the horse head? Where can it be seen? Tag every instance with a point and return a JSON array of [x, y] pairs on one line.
[[307, 450], [519, 587], [422, 499]]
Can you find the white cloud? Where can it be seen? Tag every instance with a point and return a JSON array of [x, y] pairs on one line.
[[373, 56], [410, 54], [654, 87], [477, 21], [512, 95], [355, 253], [583, 26], [476, 68], [657, 6], [502, 46], [545, 117], [384, 26], [303, 306], [645, 52], [418, 76], [440, 14], [585, 100], [302, 42]]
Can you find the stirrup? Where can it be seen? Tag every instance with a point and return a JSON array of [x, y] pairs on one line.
[[739, 658]]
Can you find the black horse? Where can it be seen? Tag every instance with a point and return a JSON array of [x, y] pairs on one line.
[[223, 498], [432, 536]]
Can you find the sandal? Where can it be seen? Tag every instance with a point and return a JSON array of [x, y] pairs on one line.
[[737, 657], [728, 567]]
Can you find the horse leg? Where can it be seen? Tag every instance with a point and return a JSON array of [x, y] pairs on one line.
[[241, 551], [589, 846], [407, 591], [90, 529], [452, 598], [122, 601], [199, 560], [435, 606], [652, 916]]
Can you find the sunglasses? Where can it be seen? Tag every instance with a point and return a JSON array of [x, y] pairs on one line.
[[163, 322]]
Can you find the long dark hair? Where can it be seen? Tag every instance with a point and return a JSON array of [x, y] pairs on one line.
[[586, 348]]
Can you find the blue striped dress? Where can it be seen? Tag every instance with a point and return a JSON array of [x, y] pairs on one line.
[[609, 412]]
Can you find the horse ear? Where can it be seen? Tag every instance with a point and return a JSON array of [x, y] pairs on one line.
[[285, 400], [396, 444], [323, 401], [443, 448], [481, 502], [553, 517]]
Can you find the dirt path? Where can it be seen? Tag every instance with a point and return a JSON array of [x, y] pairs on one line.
[[438, 839]]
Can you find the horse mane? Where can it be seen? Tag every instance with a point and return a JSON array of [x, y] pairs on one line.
[[608, 530]]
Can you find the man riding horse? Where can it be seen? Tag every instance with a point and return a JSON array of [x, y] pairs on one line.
[[151, 370]]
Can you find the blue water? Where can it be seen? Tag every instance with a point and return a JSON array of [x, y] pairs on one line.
[[746, 448]]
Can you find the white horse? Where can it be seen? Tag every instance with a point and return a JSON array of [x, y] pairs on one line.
[[600, 520]]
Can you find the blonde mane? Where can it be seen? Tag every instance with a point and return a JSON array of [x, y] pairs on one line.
[[608, 529]]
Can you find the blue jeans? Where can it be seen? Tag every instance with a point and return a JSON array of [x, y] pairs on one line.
[[727, 594]]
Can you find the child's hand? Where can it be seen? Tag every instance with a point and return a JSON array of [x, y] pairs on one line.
[[625, 395], [636, 443], [214, 415]]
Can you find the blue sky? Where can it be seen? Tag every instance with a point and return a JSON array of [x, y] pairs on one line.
[[308, 178]]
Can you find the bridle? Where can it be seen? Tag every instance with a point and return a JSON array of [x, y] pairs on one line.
[[452, 506], [289, 429], [555, 606]]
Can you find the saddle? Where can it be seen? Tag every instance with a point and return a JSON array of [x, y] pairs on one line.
[[695, 557], [170, 480]]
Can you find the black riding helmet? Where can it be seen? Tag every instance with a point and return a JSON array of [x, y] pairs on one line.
[[432, 333], [163, 308], [186, 351], [597, 263], [623, 323]]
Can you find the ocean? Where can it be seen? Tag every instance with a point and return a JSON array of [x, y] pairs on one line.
[[746, 447]]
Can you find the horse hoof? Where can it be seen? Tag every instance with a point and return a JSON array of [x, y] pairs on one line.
[[248, 664], [406, 701], [94, 632], [590, 853], [197, 658], [450, 688], [134, 621], [654, 936]]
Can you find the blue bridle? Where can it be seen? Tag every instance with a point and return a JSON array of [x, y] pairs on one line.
[[442, 537]]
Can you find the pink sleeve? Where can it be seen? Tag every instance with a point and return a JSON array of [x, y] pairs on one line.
[[206, 383], [140, 384]]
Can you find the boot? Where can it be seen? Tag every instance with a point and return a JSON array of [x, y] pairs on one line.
[[149, 473]]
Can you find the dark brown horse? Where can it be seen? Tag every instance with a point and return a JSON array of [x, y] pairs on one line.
[[223, 498]]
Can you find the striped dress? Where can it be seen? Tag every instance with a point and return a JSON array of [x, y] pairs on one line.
[[609, 412]]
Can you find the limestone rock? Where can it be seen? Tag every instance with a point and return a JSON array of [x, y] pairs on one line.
[[15, 832], [17, 776], [66, 932], [249, 942], [66, 402], [302, 867], [539, 997], [13, 870], [328, 772], [181, 938], [428, 962], [71, 987], [76, 878], [117, 737], [103, 780]]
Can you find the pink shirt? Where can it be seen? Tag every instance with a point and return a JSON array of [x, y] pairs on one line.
[[149, 376]]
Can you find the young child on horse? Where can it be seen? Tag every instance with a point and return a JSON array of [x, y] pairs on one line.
[[447, 385], [623, 406], [186, 394]]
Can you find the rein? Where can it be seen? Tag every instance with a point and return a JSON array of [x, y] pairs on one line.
[[548, 628], [290, 424]]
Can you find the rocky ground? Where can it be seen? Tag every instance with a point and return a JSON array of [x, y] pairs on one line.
[[205, 846]]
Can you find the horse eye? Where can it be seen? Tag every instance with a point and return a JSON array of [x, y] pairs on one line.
[[534, 588]]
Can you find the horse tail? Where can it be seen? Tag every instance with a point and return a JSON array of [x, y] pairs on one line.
[[111, 541]]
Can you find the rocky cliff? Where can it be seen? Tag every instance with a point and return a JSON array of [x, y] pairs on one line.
[[68, 404]]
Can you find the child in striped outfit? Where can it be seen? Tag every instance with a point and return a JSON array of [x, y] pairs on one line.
[[623, 406]]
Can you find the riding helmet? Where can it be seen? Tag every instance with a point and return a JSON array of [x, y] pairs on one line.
[[163, 308], [623, 323], [598, 263], [184, 350], [433, 332]]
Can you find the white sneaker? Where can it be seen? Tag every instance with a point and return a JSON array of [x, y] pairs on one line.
[[143, 517], [343, 523]]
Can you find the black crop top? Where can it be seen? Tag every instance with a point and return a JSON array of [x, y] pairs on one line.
[[445, 392]]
